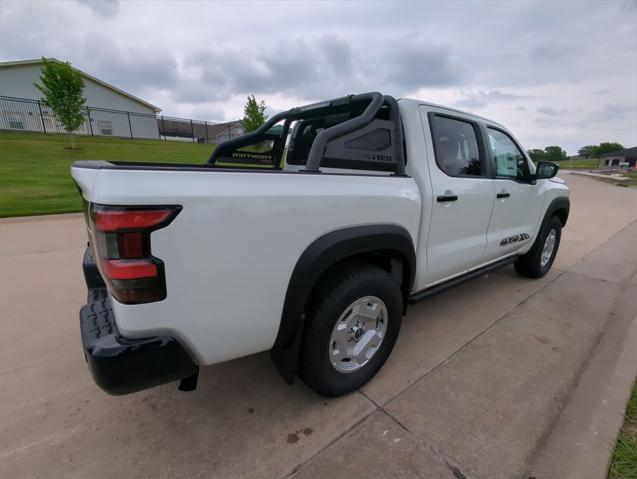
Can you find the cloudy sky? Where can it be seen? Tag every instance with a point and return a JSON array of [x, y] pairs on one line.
[[554, 72]]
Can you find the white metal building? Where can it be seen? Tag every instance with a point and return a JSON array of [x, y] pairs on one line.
[[111, 112]]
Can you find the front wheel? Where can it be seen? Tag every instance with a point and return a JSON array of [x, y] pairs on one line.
[[354, 320], [537, 262]]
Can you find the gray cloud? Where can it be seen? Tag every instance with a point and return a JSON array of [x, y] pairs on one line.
[[551, 52], [613, 112], [481, 99], [411, 63], [629, 6], [548, 122], [103, 8], [135, 67], [549, 111]]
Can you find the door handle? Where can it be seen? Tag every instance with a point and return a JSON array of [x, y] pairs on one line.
[[444, 198], [503, 195]]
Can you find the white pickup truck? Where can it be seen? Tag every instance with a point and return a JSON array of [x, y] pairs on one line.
[[308, 238]]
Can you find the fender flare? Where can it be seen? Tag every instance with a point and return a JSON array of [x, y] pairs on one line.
[[561, 205], [322, 253]]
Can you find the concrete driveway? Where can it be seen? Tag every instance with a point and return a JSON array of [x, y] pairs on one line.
[[487, 380]]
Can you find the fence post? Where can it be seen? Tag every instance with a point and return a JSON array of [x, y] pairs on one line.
[[192, 131], [41, 117], [130, 127], [206, 125], [90, 123], [163, 125]]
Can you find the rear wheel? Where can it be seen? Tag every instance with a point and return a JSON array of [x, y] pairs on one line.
[[537, 262], [354, 319]]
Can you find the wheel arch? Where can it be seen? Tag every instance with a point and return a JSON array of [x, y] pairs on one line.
[[376, 243], [559, 207]]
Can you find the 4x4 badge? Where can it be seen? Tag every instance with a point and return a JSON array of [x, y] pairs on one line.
[[515, 239]]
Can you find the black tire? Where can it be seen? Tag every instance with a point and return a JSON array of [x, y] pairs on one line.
[[530, 264], [330, 299]]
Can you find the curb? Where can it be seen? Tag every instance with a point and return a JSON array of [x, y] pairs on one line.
[[582, 439]]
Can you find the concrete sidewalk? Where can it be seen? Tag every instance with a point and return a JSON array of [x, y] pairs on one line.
[[500, 377]]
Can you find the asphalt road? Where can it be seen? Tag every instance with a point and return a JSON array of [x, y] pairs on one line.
[[487, 380]]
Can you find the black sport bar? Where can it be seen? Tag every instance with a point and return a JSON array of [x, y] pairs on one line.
[[376, 101]]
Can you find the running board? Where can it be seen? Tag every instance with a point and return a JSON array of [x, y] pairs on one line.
[[425, 293]]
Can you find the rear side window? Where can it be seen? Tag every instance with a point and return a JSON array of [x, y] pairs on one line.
[[508, 159], [456, 145]]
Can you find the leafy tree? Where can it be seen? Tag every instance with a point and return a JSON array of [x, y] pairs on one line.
[[537, 155], [588, 151], [253, 114], [555, 153], [608, 147], [63, 91]]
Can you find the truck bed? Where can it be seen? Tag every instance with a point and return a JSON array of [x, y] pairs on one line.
[[239, 230]]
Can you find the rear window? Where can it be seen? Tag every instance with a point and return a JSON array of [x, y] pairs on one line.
[[457, 148]]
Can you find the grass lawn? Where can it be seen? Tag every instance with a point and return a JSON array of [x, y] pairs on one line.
[[35, 174], [632, 175], [624, 463], [578, 164]]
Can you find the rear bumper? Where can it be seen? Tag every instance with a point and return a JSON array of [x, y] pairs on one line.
[[122, 365]]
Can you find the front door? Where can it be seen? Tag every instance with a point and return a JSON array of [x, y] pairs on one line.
[[518, 202], [462, 195]]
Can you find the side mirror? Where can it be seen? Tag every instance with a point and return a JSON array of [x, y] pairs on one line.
[[546, 170]]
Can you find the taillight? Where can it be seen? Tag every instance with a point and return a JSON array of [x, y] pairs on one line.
[[121, 242]]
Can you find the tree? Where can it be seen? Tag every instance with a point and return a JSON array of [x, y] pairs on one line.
[[608, 147], [537, 155], [555, 153], [63, 91], [253, 114], [588, 151]]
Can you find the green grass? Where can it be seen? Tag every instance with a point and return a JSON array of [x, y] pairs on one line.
[[578, 164], [632, 180], [35, 169], [624, 462]]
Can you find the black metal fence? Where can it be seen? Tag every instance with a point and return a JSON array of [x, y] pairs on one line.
[[198, 131], [21, 114]]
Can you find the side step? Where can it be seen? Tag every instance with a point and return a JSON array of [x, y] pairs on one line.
[[425, 293]]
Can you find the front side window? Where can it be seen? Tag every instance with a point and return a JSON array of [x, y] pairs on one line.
[[508, 159], [457, 151]]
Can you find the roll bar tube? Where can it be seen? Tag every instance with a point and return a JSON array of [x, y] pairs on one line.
[[248, 138], [397, 134], [342, 129], [376, 101]]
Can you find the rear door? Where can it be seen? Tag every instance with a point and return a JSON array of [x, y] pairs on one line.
[[462, 193], [518, 198]]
